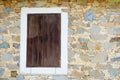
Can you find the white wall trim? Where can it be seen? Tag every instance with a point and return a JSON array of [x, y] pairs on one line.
[[23, 42]]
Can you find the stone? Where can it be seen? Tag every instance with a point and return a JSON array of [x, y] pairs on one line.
[[115, 59], [84, 57], [95, 29], [16, 38], [96, 74], [114, 31], [98, 37], [2, 70], [20, 77], [100, 58], [88, 25], [89, 15], [4, 45], [117, 20], [4, 79], [8, 9], [80, 30], [60, 77], [78, 74], [113, 13], [6, 22], [12, 66], [15, 30], [115, 39], [71, 31], [104, 18], [70, 54], [83, 40], [2, 29], [16, 45], [107, 46], [6, 56], [16, 58], [2, 37], [113, 72], [14, 73], [83, 46]]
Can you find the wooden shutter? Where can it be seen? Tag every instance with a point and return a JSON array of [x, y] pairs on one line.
[[43, 40]]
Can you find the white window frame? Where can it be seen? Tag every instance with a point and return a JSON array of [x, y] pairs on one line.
[[23, 42]]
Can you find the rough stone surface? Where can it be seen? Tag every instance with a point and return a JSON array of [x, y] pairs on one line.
[[115, 59], [60, 78], [4, 45], [98, 36], [8, 10], [94, 29], [19, 77], [2, 29], [6, 56], [2, 71], [93, 39], [115, 39], [114, 31], [16, 45], [100, 58], [89, 15], [96, 74], [113, 72], [4, 79]]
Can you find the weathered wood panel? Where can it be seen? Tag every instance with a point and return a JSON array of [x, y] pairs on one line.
[[43, 40]]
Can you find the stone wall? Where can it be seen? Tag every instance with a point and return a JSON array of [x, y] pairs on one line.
[[93, 42]]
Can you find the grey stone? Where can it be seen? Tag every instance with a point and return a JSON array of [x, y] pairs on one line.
[[16, 45], [98, 36], [115, 39], [1, 37], [104, 18], [60, 77], [89, 15], [2, 70], [100, 58], [113, 13], [80, 30], [94, 29], [88, 25], [114, 31], [8, 10], [15, 30], [70, 54], [4, 79], [16, 58], [113, 72], [96, 74], [12, 66], [2, 29], [83, 40], [115, 59], [4, 45], [20, 77], [117, 20], [6, 22], [107, 45], [71, 31], [6, 56]]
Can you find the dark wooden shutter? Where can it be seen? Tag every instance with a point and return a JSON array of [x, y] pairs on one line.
[[43, 40]]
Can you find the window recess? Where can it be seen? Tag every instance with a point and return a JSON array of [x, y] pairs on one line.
[[43, 41]]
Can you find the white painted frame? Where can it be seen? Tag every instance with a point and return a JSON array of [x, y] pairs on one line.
[[23, 42]]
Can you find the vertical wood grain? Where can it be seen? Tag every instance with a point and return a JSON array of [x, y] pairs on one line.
[[43, 40]]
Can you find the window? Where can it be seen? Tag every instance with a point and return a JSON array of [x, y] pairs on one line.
[[43, 41]]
